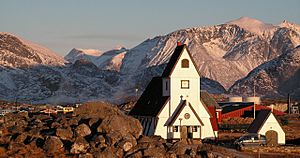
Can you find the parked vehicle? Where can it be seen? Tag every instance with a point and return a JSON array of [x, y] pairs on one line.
[[250, 140]]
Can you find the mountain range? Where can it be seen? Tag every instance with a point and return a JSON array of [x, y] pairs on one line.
[[233, 58]]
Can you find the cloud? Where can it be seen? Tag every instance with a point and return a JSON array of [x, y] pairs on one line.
[[120, 37]]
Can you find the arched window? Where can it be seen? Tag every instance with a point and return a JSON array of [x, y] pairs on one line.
[[185, 63]]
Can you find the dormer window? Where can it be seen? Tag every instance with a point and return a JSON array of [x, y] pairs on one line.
[[185, 63]]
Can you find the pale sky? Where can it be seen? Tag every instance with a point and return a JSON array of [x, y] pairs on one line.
[[65, 24]]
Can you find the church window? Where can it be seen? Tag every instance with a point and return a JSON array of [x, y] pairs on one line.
[[175, 128], [185, 63], [166, 85], [195, 128], [185, 84], [187, 116]]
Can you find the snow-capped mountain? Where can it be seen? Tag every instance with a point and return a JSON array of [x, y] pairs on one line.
[[217, 49], [87, 54], [110, 60], [275, 78], [16, 52], [223, 53], [253, 25]]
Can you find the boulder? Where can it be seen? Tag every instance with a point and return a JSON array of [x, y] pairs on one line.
[[155, 152], [82, 130], [64, 134], [53, 145], [127, 143], [121, 124], [180, 147], [21, 138], [80, 146]]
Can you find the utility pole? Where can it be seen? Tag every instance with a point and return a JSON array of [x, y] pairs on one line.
[[289, 103], [253, 97]]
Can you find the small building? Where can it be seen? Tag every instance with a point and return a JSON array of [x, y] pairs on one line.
[[242, 109], [68, 109], [172, 106], [266, 124]]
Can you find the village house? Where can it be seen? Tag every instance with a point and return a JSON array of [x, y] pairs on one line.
[[172, 105], [242, 110], [266, 124]]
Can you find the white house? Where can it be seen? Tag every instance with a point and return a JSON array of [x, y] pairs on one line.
[[171, 105], [266, 124]]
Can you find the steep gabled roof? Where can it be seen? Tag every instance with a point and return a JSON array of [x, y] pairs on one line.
[[208, 100], [259, 121], [151, 101], [174, 60], [228, 107], [178, 110]]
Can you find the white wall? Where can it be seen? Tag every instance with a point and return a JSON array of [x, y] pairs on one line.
[[192, 95], [164, 115], [272, 124]]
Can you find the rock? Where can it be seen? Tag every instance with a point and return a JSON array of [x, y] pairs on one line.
[[87, 155], [127, 143], [53, 145], [112, 138], [82, 130], [107, 153], [180, 147], [65, 134], [121, 124], [80, 146], [137, 154], [155, 152], [21, 138], [92, 121]]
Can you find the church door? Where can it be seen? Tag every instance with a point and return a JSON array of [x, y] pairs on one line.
[[271, 138], [183, 132]]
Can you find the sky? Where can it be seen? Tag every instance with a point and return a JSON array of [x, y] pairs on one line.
[[97, 24]]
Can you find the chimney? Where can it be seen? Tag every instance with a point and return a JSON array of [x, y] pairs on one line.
[[179, 43]]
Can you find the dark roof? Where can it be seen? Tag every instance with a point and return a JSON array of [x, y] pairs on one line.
[[208, 100], [259, 121], [151, 101], [232, 106], [178, 110], [174, 59]]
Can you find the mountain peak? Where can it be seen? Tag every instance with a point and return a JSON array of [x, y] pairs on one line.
[[253, 25], [290, 25], [18, 52]]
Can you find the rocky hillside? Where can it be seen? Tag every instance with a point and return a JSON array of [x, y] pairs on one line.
[[94, 130], [16, 52], [275, 78], [229, 48], [29, 73]]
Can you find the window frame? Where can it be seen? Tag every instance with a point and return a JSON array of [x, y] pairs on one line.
[[185, 63], [181, 84]]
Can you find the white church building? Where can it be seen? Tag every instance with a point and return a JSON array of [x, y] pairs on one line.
[[173, 106]]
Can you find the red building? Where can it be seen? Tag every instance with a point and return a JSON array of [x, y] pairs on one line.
[[242, 109]]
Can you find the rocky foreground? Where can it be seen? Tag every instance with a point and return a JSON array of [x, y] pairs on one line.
[[93, 130]]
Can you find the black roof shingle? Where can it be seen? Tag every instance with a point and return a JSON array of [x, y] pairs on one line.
[[151, 101], [259, 121]]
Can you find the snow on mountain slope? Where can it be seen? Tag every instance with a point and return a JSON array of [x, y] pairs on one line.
[[253, 25], [87, 54], [290, 25], [275, 78], [109, 60], [223, 53], [16, 52]]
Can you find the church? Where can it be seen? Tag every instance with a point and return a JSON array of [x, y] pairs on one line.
[[173, 106]]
